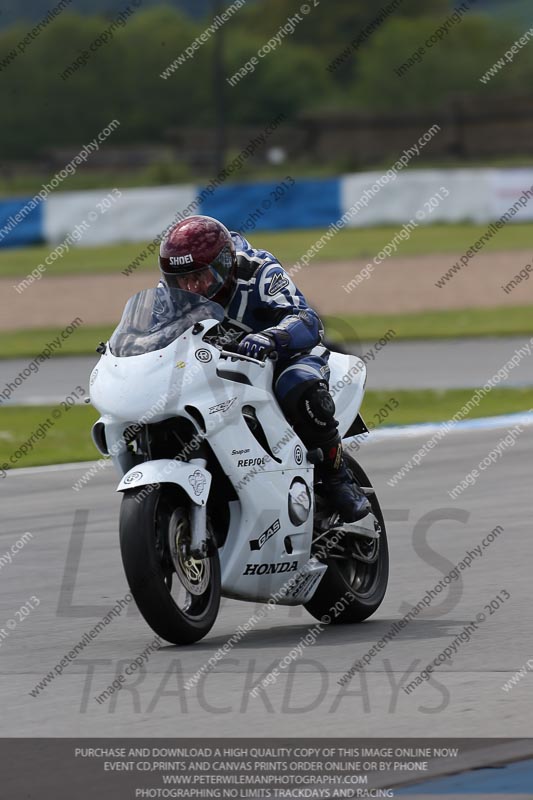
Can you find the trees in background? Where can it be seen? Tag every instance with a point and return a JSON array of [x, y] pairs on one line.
[[122, 79], [390, 77]]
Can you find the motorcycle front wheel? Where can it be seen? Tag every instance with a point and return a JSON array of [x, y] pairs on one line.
[[178, 596]]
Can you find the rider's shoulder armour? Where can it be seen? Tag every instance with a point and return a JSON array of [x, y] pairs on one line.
[[248, 265], [249, 259]]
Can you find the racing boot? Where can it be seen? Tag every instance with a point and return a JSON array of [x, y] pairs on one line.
[[311, 408], [345, 497]]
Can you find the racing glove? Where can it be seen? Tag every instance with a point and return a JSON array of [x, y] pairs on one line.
[[256, 345]]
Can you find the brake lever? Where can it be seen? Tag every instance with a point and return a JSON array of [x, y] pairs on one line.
[[230, 354]]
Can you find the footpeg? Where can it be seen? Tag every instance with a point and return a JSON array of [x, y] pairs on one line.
[[364, 527]]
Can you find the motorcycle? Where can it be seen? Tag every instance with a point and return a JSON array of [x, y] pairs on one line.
[[220, 496]]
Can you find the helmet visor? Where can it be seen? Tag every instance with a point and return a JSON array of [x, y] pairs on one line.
[[206, 280]]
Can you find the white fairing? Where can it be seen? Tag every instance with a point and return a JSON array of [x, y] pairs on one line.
[[347, 385], [266, 553], [195, 480]]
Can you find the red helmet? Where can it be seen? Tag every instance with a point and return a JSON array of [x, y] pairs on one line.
[[198, 255]]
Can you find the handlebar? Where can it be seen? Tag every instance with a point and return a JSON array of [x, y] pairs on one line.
[[261, 362]]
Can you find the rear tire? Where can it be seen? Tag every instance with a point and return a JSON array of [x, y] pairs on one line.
[[149, 525], [366, 582]]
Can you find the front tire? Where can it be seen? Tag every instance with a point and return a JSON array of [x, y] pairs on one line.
[[352, 590], [178, 596]]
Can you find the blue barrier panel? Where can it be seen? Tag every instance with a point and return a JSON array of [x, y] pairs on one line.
[[275, 206], [504, 780], [21, 222]]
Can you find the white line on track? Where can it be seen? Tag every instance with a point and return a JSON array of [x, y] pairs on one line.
[[428, 428], [55, 468]]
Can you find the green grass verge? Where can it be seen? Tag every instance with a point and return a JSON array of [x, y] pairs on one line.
[[430, 325], [429, 405], [435, 324], [29, 343], [69, 440], [288, 246]]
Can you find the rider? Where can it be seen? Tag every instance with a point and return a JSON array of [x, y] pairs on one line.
[[200, 255]]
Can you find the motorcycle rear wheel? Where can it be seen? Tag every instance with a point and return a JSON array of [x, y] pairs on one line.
[[351, 590], [177, 595]]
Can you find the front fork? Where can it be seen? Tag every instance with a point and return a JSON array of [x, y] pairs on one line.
[[199, 547]]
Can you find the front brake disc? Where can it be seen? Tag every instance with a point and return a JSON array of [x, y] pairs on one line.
[[193, 573]]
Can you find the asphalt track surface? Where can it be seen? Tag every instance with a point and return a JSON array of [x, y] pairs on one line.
[[75, 572], [445, 364]]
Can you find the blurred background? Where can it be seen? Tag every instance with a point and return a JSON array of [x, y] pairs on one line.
[[408, 126], [349, 117]]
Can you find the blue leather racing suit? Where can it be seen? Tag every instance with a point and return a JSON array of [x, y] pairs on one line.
[[266, 300]]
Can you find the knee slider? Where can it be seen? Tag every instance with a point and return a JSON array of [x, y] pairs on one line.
[[292, 401], [310, 408], [317, 406]]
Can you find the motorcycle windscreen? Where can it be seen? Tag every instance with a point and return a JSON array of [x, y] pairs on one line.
[[154, 318]]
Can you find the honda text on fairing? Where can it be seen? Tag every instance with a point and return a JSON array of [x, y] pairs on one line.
[[220, 496]]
